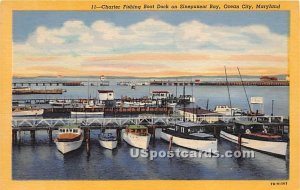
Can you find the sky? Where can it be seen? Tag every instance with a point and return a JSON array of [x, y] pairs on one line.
[[149, 43]]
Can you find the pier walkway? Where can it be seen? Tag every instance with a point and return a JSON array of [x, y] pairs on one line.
[[88, 124], [121, 122]]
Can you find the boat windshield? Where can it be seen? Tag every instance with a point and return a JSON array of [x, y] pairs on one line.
[[66, 130]]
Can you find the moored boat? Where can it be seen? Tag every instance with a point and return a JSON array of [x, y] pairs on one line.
[[60, 102], [137, 136], [86, 114], [228, 111], [27, 111], [69, 138], [21, 88], [108, 140], [190, 135], [256, 136], [186, 99]]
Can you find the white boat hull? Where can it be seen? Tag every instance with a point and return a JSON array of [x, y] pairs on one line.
[[271, 147], [86, 114], [65, 147], [200, 145], [28, 113], [137, 141], [108, 144]]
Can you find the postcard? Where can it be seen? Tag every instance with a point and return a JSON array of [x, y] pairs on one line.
[[140, 94]]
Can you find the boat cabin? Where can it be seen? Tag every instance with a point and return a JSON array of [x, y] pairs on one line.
[[226, 110], [160, 94], [68, 133], [107, 137], [254, 130], [69, 130], [106, 95], [137, 130], [247, 127], [24, 108], [200, 115], [222, 108], [189, 127], [190, 130]]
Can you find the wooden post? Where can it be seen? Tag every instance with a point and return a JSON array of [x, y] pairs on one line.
[[32, 135], [14, 136], [19, 137], [84, 134], [240, 141], [215, 131], [153, 134], [119, 136], [87, 136], [170, 143], [50, 135]]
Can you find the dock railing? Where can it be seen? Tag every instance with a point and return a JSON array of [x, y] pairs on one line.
[[141, 120]]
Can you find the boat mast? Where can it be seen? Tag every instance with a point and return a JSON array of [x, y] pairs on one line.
[[88, 90], [207, 101], [183, 102], [244, 90], [228, 91], [176, 90], [192, 99], [88, 100]]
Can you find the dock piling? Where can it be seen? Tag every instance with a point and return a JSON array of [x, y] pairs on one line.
[[119, 136], [14, 136], [215, 131], [19, 137], [50, 135], [153, 134], [240, 141], [32, 136], [170, 143], [88, 140]]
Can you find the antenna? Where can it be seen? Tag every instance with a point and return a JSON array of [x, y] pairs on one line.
[[244, 90], [228, 91]]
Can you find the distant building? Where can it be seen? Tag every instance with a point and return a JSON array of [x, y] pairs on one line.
[[199, 115], [197, 81], [102, 78]]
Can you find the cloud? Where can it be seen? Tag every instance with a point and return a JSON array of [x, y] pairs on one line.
[[150, 41], [103, 37]]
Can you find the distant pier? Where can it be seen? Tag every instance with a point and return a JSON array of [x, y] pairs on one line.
[[155, 83], [61, 83], [31, 91], [220, 83]]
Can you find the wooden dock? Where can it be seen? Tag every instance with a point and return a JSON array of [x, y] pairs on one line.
[[76, 100], [88, 124], [113, 110]]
